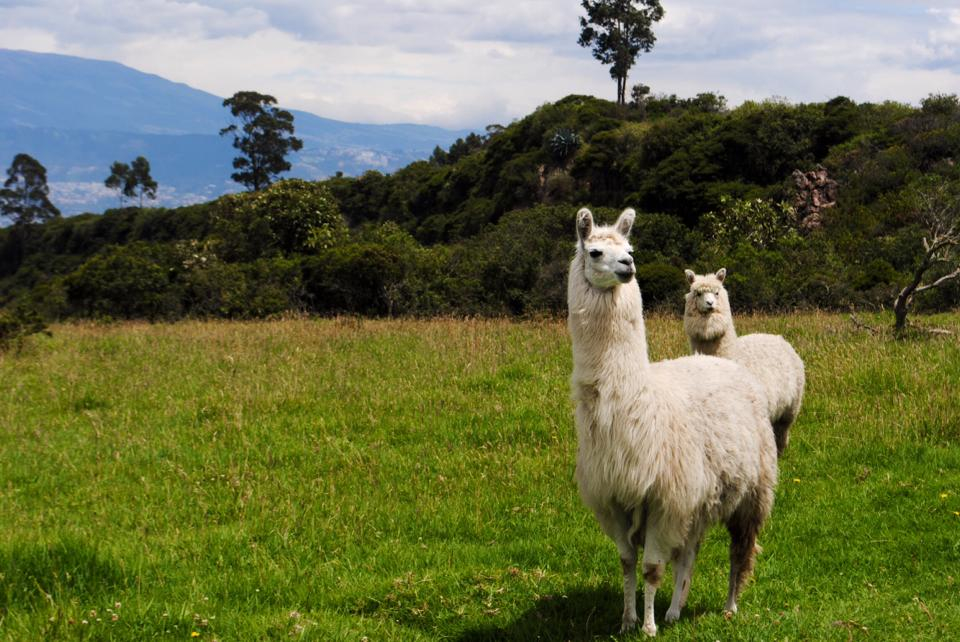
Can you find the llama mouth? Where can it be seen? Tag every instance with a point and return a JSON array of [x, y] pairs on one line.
[[624, 276]]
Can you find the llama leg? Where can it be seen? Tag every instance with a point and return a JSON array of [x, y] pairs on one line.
[[743, 528], [682, 575], [628, 563], [618, 525], [781, 430], [654, 564]]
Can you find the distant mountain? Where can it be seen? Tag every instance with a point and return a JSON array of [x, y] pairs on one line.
[[76, 116]]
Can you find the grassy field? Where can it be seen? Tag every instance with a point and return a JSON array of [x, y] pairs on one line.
[[408, 480]]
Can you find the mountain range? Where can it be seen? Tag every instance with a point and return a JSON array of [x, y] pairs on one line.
[[77, 116]]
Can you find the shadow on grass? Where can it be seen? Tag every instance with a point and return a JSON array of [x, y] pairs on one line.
[[35, 572], [581, 614]]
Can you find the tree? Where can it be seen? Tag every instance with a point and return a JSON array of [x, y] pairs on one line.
[[617, 31], [639, 94], [119, 180], [139, 179], [937, 210], [132, 180], [25, 195], [264, 136]]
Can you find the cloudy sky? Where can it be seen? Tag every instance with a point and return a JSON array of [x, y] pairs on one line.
[[469, 63]]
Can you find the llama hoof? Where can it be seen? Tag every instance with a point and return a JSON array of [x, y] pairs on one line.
[[729, 613], [672, 616], [650, 630], [628, 624]]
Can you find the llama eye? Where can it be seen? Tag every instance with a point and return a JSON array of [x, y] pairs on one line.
[[596, 253]]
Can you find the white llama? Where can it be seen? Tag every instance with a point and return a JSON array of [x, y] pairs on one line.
[[664, 449], [709, 326]]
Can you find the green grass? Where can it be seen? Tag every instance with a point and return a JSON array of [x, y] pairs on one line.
[[348, 479]]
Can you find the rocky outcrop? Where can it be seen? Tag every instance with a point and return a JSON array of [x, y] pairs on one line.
[[816, 192]]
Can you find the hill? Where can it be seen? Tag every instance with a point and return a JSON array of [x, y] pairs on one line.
[[76, 116], [814, 205]]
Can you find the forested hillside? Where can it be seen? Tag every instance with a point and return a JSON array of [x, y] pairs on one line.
[[811, 205]]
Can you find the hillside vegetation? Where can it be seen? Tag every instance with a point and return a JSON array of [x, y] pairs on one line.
[[342, 479], [805, 205]]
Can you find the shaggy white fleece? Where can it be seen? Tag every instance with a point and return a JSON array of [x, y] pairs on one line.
[[664, 449], [709, 326]]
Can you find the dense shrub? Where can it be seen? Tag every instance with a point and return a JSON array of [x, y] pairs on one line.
[[209, 286], [759, 222], [290, 216], [18, 323], [662, 285], [125, 281]]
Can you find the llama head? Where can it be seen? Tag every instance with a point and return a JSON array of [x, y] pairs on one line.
[[707, 296], [604, 249]]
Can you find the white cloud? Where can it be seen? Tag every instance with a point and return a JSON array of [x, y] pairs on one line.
[[28, 39], [466, 63]]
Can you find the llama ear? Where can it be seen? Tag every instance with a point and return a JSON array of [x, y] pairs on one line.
[[625, 222], [690, 276], [584, 224], [721, 274]]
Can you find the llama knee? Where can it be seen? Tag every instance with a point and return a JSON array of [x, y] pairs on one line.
[[653, 573]]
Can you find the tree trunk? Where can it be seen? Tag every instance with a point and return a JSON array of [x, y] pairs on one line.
[[900, 309], [901, 306]]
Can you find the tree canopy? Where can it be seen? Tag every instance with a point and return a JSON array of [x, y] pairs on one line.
[[616, 32], [264, 137], [142, 180], [119, 180], [25, 197], [132, 180]]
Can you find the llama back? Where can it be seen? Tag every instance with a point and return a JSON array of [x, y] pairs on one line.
[[728, 410], [780, 370]]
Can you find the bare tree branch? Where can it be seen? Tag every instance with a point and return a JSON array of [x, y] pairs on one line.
[[943, 279]]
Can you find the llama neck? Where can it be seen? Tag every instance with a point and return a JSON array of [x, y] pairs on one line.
[[607, 328], [715, 336]]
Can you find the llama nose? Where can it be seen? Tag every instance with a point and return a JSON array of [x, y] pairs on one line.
[[627, 260]]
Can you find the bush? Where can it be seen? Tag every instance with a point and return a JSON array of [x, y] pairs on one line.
[[357, 278], [273, 286], [759, 222], [662, 285], [17, 324], [129, 281], [876, 272], [290, 216], [209, 286], [661, 238]]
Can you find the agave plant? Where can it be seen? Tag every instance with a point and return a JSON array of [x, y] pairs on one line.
[[563, 143]]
